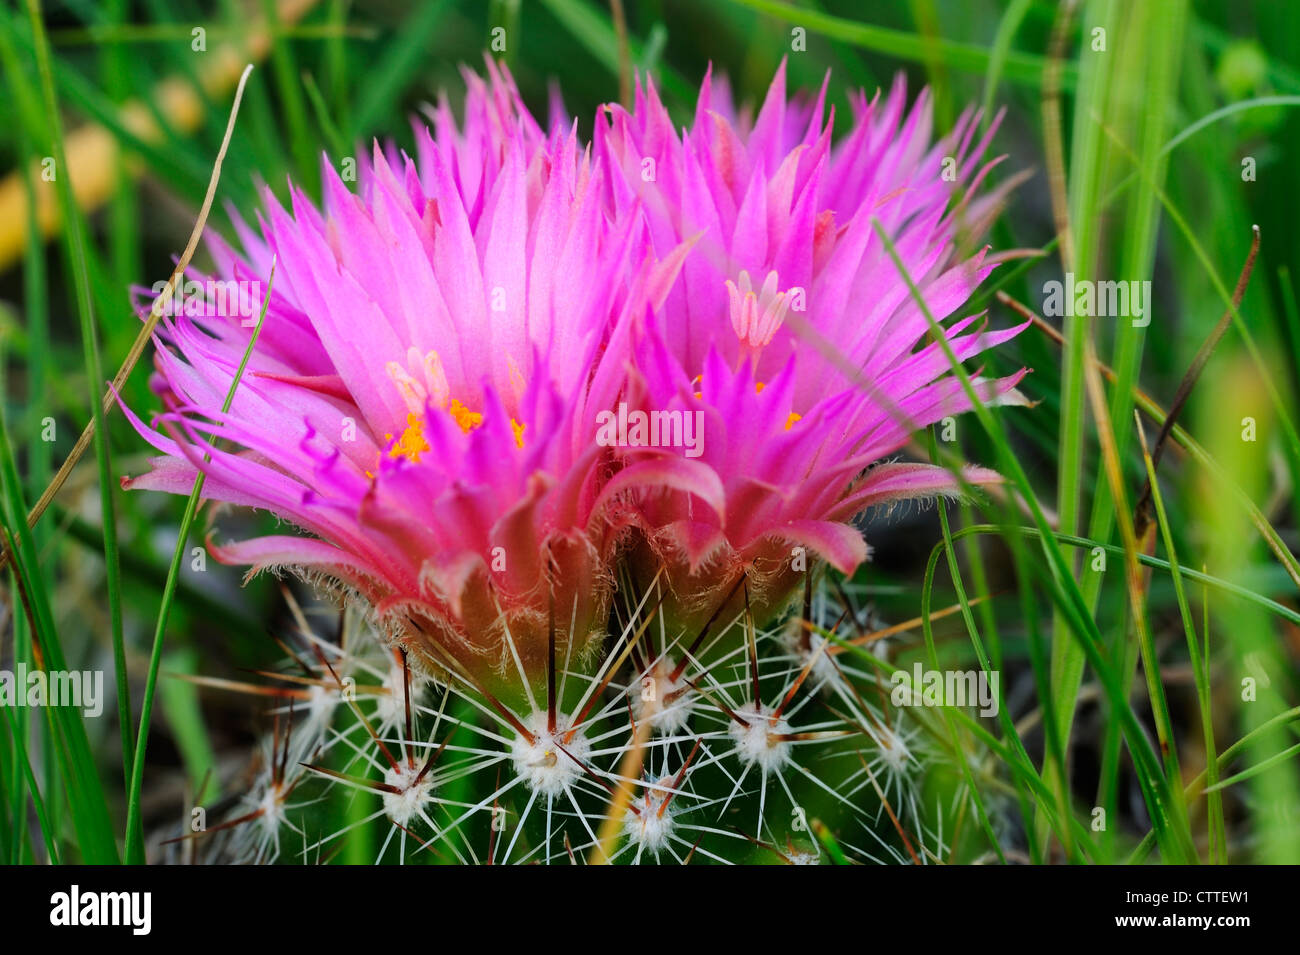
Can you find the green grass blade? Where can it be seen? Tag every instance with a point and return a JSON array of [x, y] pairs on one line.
[[134, 826]]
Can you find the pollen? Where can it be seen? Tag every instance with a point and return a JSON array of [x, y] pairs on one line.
[[468, 420], [411, 444]]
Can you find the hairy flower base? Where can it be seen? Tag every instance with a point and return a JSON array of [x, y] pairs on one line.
[[764, 578], [503, 644]]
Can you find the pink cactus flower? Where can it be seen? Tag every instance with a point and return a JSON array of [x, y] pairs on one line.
[[791, 332], [464, 372], [423, 394]]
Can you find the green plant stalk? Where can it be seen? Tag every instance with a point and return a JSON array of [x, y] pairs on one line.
[[1007, 29], [1193, 788], [592, 28], [74, 233], [1200, 667], [1024, 574], [134, 826], [1219, 838], [35, 279], [337, 144], [925, 18], [1150, 57], [72, 760], [1026, 68], [336, 62], [928, 632], [401, 58], [35, 276], [1061, 807], [1175, 841], [1113, 744], [1275, 760], [283, 64], [24, 765], [1078, 250], [1134, 585]]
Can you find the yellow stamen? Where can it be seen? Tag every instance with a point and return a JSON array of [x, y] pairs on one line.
[[468, 420], [411, 444], [433, 390]]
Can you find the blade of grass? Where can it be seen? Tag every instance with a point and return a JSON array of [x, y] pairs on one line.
[[1018, 67], [1291, 446], [1148, 52], [38, 365], [134, 829], [74, 234], [24, 765], [283, 65], [1193, 788], [336, 61], [146, 330], [594, 30], [401, 58], [71, 760], [1253, 771], [338, 145], [1066, 595], [1007, 28], [1136, 590], [928, 632], [1073, 202], [1200, 666]]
